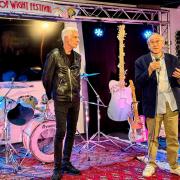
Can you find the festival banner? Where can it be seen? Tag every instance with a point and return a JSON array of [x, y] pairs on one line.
[[31, 7]]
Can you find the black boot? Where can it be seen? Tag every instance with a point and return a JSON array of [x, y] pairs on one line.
[[56, 174], [68, 168]]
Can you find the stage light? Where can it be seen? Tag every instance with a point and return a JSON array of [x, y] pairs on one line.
[[98, 32], [45, 25], [37, 28], [147, 33]]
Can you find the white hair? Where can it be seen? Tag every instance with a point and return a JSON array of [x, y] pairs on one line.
[[155, 34], [68, 31]]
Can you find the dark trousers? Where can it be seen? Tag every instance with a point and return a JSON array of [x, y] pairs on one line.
[[66, 121]]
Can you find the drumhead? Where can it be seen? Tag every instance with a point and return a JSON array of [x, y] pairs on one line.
[[40, 141]]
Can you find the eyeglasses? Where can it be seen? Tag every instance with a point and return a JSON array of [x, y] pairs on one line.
[[155, 42]]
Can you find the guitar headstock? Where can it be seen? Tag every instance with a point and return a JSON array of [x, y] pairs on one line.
[[121, 33]]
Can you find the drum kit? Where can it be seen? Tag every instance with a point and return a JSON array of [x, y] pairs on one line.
[[38, 128]]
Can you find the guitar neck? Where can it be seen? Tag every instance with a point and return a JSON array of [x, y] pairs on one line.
[[121, 35], [121, 61], [135, 103]]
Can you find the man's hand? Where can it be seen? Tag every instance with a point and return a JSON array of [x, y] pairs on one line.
[[153, 66], [176, 73]]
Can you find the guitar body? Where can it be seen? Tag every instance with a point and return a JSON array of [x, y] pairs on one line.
[[139, 134], [119, 108]]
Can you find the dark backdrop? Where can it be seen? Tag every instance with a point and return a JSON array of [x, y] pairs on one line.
[[18, 52], [102, 57]]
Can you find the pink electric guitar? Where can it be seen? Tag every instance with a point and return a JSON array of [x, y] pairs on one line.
[[119, 108], [137, 132]]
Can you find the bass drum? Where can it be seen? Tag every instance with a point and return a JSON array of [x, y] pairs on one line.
[[38, 138]]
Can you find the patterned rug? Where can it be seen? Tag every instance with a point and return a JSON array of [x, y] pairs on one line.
[[110, 162]]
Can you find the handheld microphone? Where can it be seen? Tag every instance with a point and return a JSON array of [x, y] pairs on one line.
[[157, 59]]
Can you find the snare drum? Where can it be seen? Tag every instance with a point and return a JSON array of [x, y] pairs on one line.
[[38, 138]]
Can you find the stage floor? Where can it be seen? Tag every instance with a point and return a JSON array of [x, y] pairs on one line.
[[113, 161]]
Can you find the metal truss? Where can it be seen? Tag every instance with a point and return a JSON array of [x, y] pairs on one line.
[[112, 12], [102, 12], [106, 12], [119, 13]]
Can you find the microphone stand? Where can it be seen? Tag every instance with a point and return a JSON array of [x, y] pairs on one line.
[[88, 141], [98, 134]]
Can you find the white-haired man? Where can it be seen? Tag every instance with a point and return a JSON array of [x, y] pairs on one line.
[[61, 80], [158, 75]]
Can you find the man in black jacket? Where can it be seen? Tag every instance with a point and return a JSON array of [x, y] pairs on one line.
[[158, 75], [61, 80]]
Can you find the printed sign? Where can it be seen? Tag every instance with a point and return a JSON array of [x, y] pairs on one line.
[[35, 8]]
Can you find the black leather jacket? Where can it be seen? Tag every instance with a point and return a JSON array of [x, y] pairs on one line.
[[60, 79]]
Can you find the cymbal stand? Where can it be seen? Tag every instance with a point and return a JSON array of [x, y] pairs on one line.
[[9, 149], [98, 133]]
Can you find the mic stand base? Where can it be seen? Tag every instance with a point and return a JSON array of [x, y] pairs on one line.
[[107, 139]]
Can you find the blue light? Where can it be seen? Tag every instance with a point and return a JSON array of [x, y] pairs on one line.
[[147, 34], [98, 32]]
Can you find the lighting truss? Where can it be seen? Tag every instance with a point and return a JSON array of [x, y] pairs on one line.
[[94, 11]]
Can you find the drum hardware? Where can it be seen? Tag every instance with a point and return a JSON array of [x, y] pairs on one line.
[[9, 149], [45, 108], [98, 134], [47, 113]]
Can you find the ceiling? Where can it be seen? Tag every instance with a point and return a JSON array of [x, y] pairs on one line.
[[147, 3]]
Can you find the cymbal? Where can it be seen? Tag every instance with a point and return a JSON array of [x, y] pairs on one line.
[[12, 85], [88, 75], [36, 69]]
